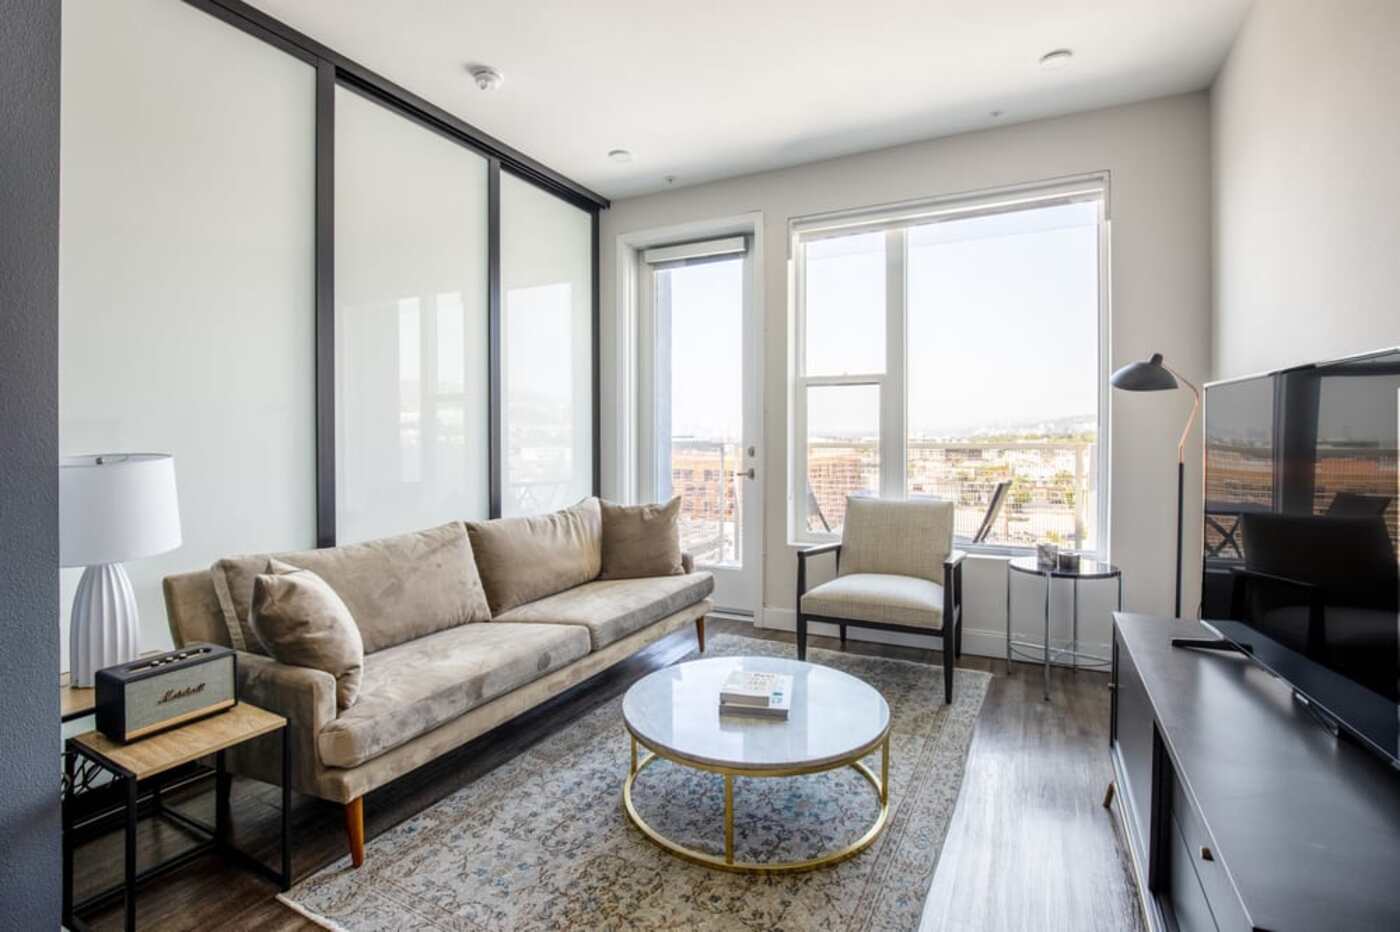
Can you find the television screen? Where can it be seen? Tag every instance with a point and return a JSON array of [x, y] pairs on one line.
[[1302, 523]]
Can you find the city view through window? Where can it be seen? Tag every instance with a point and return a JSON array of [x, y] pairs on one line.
[[1000, 371]]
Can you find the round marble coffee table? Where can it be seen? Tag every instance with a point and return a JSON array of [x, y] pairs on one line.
[[835, 721]]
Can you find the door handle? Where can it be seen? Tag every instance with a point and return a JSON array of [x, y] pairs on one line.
[[745, 473]]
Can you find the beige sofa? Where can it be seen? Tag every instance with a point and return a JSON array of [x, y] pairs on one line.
[[449, 654]]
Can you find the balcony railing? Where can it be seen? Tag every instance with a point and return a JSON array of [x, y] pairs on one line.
[[703, 473], [1053, 494]]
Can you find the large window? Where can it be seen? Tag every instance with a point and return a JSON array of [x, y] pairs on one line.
[[946, 348]]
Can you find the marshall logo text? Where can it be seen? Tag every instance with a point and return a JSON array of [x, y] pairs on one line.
[[172, 694]]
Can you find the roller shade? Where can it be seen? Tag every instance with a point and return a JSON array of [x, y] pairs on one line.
[[703, 251]]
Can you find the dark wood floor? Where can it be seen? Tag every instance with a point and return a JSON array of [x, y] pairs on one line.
[[1029, 847]]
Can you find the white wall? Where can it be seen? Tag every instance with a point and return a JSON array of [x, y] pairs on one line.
[[1306, 137], [1158, 155]]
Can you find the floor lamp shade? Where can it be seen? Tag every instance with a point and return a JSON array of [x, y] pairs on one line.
[[113, 507]]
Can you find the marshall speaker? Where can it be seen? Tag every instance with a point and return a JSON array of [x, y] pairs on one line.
[[147, 695]]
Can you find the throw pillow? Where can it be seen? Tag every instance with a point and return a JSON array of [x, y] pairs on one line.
[[301, 621], [641, 540]]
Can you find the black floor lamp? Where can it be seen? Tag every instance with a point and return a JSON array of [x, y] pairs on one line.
[[1154, 376]]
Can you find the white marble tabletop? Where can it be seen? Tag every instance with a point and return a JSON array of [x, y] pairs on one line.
[[676, 711]]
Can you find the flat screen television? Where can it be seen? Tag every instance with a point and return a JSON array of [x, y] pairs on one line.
[[1302, 528]]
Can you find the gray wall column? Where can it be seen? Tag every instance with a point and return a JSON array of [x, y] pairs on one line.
[[29, 726]]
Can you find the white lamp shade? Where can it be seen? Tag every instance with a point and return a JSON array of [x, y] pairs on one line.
[[114, 507]]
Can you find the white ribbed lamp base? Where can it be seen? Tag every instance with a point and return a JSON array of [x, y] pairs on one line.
[[104, 628]]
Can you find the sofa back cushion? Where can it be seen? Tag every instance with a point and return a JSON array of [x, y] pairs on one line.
[[397, 588], [528, 558], [901, 537]]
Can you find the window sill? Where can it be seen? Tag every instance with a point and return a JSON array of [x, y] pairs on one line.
[[1007, 551]]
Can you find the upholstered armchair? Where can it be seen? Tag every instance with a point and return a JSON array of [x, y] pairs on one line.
[[896, 570]]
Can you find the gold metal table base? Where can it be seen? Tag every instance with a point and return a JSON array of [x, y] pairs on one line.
[[727, 862]]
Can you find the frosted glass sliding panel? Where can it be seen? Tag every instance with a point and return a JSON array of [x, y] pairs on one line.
[[411, 338], [547, 329], [187, 313]]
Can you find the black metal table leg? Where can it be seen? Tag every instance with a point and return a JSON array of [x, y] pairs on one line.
[[222, 783], [130, 853], [69, 762]]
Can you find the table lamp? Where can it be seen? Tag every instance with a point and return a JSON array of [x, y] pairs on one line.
[[112, 507], [1153, 375]]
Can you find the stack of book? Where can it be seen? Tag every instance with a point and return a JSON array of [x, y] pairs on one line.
[[768, 695]]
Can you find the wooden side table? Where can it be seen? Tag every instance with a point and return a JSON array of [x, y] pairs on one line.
[[150, 757]]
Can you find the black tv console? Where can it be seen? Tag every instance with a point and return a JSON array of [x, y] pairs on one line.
[[1238, 810]]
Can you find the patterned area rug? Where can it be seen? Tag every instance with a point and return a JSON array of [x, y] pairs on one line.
[[542, 843]]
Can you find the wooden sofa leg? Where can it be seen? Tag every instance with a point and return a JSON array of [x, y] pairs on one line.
[[843, 637], [700, 632], [355, 830]]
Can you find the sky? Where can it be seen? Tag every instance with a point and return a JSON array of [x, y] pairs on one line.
[[1002, 327]]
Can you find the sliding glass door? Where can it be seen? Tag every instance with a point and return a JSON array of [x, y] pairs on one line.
[[345, 311], [412, 379]]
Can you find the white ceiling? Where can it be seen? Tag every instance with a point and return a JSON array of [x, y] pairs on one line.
[[705, 90]]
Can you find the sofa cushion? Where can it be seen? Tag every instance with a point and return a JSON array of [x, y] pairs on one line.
[[397, 588], [301, 621], [611, 609], [415, 687], [879, 597], [641, 540], [528, 558]]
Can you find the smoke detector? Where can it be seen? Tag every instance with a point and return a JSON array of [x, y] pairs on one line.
[[1059, 58], [486, 77], [621, 156]]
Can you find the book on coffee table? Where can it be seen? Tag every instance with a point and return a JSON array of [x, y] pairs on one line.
[[764, 694]]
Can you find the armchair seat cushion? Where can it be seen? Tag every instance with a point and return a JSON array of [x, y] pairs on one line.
[[611, 609], [883, 598], [412, 688]]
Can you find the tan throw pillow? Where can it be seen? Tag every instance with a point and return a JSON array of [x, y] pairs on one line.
[[301, 621], [528, 558], [641, 540]]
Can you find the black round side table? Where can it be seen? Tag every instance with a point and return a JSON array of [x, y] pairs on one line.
[[1084, 568]]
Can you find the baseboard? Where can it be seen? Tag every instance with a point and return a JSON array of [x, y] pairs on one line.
[[979, 642]]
